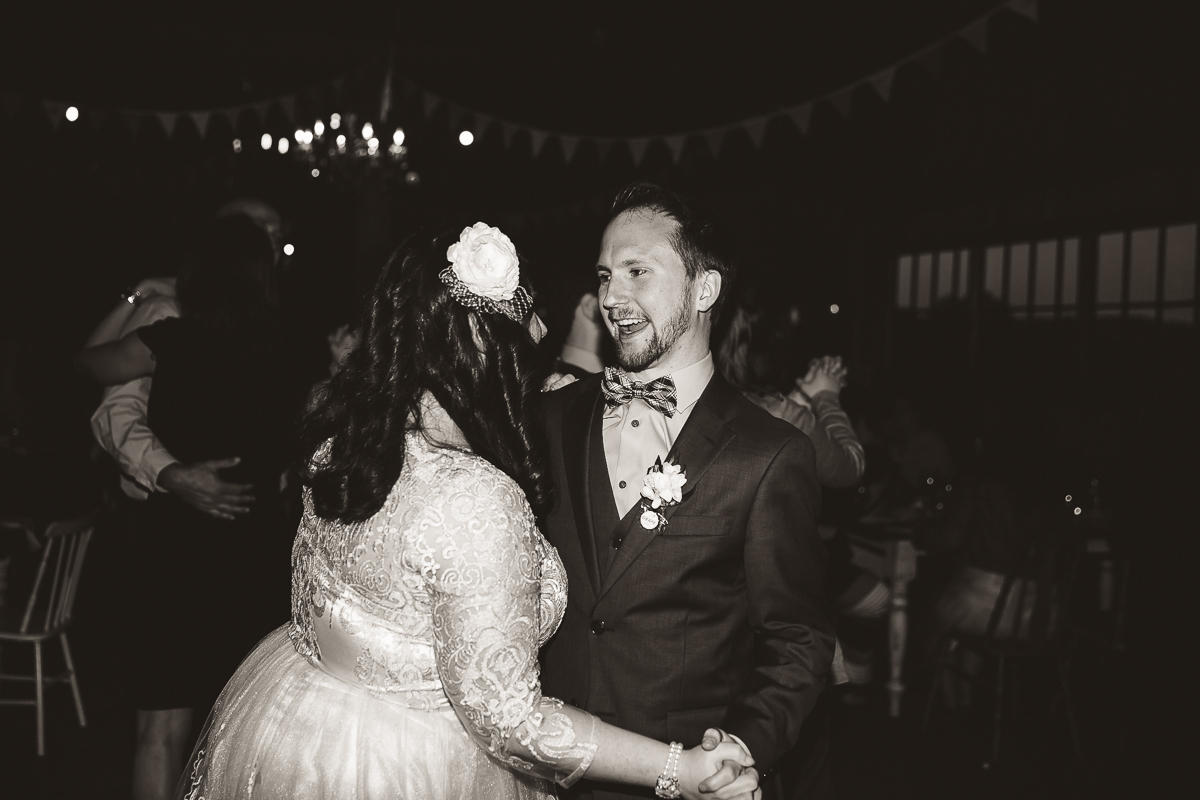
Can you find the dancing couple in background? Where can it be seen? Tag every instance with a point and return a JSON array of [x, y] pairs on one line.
[[675, 597]]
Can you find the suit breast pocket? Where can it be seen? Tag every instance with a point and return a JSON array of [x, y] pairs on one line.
[[684, 525]]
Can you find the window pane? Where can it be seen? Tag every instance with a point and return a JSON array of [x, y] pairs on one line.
[[945, 275], [1070, 269], [1108, 269], [1143, 267], [924, 278], [1180, 280], [1046, 268], [904, 281], [964, 272], [993, 272], [1018, 277]]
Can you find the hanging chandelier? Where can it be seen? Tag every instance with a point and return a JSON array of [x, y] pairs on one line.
[[341, 148]]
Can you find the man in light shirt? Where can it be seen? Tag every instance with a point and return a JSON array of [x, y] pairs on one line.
[[119, 423]]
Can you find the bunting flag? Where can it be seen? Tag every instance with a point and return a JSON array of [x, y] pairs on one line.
[[882, 82], [714, 137], [637, 147], [841, 98], [802, 115], [756, 128], [200, 119], [976, 33], [569, 143], [675, 146], [482, 123], [1026, 8], [55, 111], [429, 102]]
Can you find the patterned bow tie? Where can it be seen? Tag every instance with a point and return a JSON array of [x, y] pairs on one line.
[[619, 390]]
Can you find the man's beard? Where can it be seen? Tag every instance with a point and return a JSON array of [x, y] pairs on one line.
[[634, 360]]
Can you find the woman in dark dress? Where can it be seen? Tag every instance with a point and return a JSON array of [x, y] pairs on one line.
[[206, 589]]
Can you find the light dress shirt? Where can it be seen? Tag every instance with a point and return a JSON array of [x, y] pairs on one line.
[[636, 434], [120, 425]]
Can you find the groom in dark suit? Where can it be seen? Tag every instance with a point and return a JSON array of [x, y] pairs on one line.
[[706, 612]]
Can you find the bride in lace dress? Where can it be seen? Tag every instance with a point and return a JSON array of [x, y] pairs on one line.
[[421, 587]]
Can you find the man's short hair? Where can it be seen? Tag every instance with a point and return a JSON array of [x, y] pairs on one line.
[[695, 239]]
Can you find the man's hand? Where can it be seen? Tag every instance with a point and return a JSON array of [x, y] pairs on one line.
[[201, 487], [732, 781]]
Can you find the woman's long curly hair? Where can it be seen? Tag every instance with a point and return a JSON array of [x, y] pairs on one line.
[[415, 338]]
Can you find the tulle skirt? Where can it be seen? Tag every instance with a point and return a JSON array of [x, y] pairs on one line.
[[283, 729]]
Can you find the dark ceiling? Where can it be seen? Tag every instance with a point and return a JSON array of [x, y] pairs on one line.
[[617, 67]]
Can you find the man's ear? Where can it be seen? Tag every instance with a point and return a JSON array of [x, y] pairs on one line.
[[710, 290]]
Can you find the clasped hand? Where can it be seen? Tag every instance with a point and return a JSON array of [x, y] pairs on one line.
[[719, 769]]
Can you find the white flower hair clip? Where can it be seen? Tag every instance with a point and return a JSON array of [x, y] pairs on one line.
[[484, 273]]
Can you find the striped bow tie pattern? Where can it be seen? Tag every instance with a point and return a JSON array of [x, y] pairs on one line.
[[619, 390]]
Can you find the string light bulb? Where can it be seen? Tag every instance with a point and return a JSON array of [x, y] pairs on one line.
[[398, 137], [368, 131], [316, 173], [465, 138], [237, 145], [266, 141], [319, 128], [335, 121], [299, 136], [283, 144], [72, 114], [341, 140], [288, 249], [833, 309]]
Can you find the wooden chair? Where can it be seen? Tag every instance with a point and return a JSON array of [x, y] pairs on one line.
[[1050, 565], [48, 614]]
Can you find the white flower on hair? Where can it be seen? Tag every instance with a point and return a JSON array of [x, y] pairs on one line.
[[486, 261]]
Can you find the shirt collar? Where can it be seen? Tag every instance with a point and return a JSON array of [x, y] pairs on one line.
[[690, 382]]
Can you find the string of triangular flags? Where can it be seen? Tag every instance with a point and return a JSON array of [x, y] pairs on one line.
[[58, 111], [930, 57]]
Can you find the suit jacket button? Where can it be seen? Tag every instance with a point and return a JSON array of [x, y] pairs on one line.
[[598, 627], [617, 542]]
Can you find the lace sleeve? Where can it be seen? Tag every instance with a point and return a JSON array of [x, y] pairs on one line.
[[478, 551]]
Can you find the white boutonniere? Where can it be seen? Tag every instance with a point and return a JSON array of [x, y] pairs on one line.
[[662, 487]]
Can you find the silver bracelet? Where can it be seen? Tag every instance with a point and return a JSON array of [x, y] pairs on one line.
[[667, 785]]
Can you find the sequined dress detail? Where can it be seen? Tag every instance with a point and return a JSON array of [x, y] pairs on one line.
[[409, 668]]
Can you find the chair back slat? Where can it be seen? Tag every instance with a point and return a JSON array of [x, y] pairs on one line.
[[66, 544], [38, 578], [66, 605]]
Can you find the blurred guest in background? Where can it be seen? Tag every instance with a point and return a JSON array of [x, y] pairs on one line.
[[582, 350], [208, 564]]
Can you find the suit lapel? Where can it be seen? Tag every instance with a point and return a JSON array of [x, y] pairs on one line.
[[702, 439], [579, 418]]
